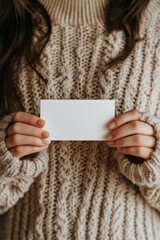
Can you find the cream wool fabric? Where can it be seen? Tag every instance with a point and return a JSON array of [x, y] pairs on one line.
[[85, 190]]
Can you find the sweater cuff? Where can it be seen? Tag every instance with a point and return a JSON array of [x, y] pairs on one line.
[[11, 166], [146, 172]]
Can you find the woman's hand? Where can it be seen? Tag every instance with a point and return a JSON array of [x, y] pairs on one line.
[[132, 136], [25, 135]]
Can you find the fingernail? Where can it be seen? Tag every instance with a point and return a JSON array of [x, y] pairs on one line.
[[111, 125], [40, 123], [110, 137], [46, 141], [45, 134]]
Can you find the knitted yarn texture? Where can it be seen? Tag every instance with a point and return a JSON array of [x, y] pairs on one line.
[[77, 190]]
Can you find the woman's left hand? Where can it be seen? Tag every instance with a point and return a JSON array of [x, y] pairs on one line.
[[132, 136]]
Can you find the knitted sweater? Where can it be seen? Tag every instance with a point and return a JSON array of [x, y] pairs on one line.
[[84, 189]]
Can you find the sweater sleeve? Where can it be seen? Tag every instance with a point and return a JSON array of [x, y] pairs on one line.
[[16, 174], [145, 173]]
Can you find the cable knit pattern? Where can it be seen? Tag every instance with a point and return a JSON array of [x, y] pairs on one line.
[[78, 190], [148, 173], [16, 174]]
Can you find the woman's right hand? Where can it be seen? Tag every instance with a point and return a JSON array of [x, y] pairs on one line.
[[25, 135]]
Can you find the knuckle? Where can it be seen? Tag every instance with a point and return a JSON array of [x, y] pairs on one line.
[[139, 151], [18, 151], [15, 138], [135, 125], [33, 119], [17, 116], [14, 128], [135, 113], [137, 139], [116, 133]]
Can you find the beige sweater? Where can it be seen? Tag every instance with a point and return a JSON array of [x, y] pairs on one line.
[[83, 189]]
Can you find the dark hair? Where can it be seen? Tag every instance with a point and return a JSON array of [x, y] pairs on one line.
[[125, 16], [20, 18]]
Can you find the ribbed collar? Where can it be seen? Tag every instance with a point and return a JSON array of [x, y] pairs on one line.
[[86, 12], [76, 12]]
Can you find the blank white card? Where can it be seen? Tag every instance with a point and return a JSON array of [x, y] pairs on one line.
[[77, 120]]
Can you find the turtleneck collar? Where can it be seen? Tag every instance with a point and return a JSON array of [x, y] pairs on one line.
[[76, 12], [86, 12]]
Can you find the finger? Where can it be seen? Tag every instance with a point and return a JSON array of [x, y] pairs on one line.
[[142, 152], [21, 151], [18, 140], [134, 140], [25, 129], [28, 118], [121, 119], [134, 127]]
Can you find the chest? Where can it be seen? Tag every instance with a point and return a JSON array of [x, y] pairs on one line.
[[74, 65]]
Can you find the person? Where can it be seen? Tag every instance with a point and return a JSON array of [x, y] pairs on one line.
[[80, 189]]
